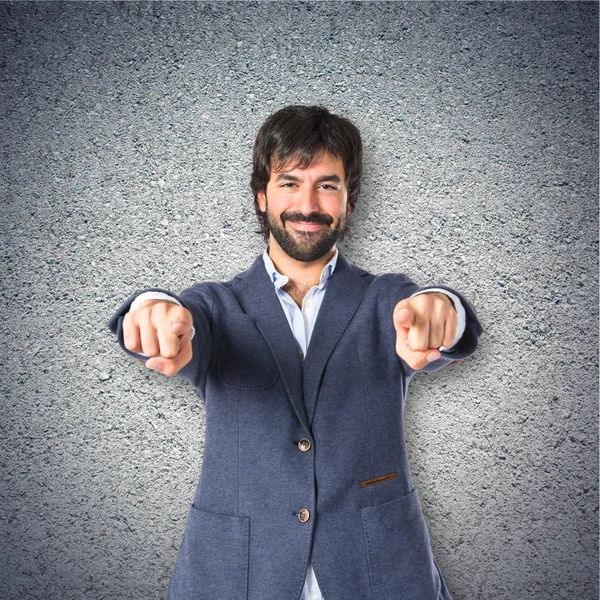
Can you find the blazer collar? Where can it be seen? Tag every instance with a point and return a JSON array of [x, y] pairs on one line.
[[345, 291], [257, 297]]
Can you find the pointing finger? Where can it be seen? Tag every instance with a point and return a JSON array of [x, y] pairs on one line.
[[170, 322], [403, 317], [181, 325]]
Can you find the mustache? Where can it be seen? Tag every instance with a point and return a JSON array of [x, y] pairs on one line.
[[313, 217]]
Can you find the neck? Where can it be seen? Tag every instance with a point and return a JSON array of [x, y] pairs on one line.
[[302, 275]]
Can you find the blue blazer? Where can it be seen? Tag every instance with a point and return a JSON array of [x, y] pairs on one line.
[[304, 459]]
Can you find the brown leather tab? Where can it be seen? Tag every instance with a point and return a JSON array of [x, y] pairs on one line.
[[377, 480]]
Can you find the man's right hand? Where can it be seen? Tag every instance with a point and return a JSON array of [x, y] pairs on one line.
[[161, 330]]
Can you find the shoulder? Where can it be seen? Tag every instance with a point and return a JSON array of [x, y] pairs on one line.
[[227, 295]]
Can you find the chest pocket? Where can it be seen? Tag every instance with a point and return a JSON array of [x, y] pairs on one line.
[[244, 360]]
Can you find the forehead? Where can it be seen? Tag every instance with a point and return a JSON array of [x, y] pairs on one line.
[[322, 162]]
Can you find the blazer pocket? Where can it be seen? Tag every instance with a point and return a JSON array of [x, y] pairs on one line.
[[399, 556], [244, 360], [376, 480], [213, 558]]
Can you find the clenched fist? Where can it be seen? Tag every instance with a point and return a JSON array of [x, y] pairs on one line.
[[161, 330], [423, 323]]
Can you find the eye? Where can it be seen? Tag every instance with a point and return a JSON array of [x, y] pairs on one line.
[[288, 184], [327, 186]]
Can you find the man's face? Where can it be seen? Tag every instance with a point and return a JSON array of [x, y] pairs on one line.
[[306, 208]]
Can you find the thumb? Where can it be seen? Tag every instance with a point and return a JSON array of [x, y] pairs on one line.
[[156, 363], [171, 366]]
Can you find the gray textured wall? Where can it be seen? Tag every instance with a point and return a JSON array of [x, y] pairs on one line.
[[125, 139]]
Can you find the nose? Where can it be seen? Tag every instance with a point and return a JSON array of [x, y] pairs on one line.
[[308, 201]]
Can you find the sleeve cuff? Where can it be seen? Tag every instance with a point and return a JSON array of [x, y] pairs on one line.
[[152, 296], [461, 315]]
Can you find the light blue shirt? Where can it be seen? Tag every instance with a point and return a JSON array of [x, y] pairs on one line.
[[301, 320]]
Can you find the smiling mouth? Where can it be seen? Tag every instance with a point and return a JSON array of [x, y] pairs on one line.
[[306, 226], [313, 223]]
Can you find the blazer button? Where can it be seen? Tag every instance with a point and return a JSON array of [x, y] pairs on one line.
[[304, 444], [303, 515]]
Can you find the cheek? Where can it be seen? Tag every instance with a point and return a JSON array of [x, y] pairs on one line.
[[276, 207], [336, 208]]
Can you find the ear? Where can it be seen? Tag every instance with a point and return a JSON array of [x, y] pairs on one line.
[[262, 201]]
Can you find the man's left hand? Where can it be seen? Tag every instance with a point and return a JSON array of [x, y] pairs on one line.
[[424, 323]]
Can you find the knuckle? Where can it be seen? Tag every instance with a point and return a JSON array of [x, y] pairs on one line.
[[154, 317], [129, 342], [422, 300], [169, 353], [164, 306], [150, 348]]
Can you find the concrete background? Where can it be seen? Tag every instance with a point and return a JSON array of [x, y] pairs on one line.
[[125, 140]]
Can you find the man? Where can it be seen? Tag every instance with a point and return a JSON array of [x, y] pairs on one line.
[[303, 362]]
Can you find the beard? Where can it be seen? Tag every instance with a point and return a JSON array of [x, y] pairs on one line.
[[305, 246]]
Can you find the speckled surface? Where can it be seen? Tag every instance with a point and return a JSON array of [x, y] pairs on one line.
[[125, 148]]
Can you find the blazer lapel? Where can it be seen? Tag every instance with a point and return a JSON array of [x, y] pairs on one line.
[[256, 294], [344, 293]]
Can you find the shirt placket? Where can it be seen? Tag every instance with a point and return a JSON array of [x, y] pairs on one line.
[[297, 321]]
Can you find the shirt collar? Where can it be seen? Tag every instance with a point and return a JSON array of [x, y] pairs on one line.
[[280, 280]]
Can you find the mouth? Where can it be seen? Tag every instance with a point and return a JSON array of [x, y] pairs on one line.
[[305, 225]]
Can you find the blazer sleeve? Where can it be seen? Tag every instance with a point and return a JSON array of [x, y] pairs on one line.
[[201, 307]]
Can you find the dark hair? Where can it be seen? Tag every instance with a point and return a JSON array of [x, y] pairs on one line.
[[297, 134]]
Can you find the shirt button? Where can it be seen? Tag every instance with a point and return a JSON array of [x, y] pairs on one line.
[[304, 444], [303, 515], [308, 304]]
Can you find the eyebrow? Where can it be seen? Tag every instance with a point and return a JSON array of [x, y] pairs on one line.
[[288, 177]]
